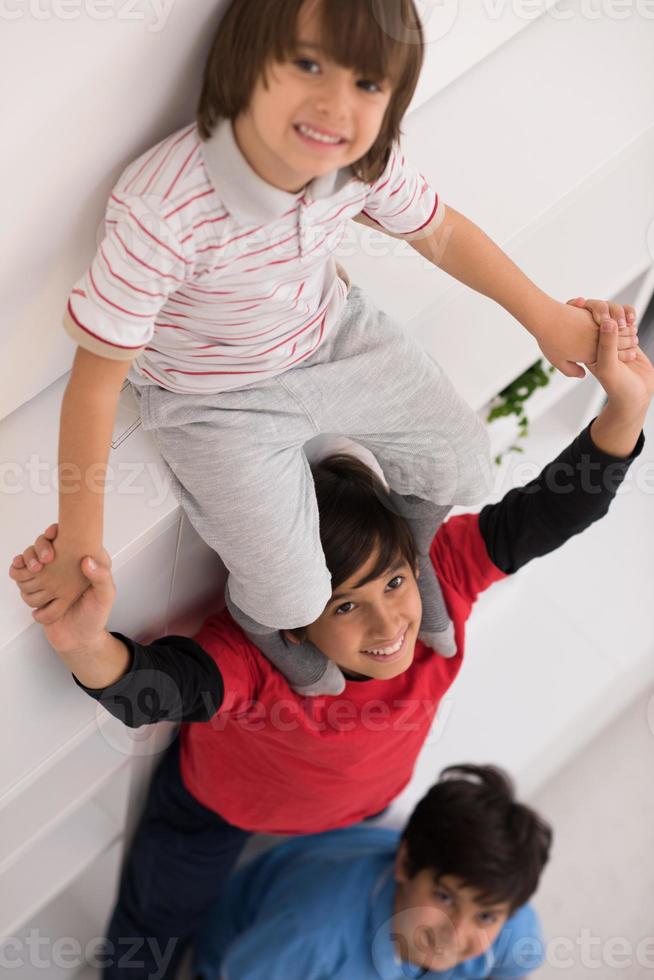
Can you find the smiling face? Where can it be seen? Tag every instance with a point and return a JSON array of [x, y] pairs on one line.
[[308, 95], [440, 921], [369, 628]]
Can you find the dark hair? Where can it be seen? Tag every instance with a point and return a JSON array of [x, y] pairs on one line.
[[383, 39], [470, 825], [357, 519]]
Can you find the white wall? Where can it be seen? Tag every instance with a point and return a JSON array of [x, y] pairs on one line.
[[87, 95]]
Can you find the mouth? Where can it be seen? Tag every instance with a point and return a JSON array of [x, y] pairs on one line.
[[390, 652], [318, 137]]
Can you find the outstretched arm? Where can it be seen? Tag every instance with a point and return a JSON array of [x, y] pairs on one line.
[[576, 489], [564, 334], [171, 679]]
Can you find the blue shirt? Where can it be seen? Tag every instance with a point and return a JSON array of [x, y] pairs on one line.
[[320, 908]]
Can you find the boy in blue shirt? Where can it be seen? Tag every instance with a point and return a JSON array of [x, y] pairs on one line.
[[445, 898]]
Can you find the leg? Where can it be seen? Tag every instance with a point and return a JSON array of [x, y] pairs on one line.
[[180, 857], [424, 518], [306, 668], [383, 391], [238, 468]]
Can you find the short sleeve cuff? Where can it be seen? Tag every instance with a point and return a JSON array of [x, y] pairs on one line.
[[91, 342]]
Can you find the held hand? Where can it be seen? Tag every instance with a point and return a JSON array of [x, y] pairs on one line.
[[629, 385], [81, 626], [56, 579], [570, 334], [624, 316]]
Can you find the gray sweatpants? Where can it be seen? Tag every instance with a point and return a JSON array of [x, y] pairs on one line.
[[238, 467]]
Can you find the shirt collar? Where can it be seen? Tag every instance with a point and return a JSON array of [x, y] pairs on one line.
[[246, 195]]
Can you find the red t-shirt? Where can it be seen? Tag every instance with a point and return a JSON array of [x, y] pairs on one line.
[[274, 762]]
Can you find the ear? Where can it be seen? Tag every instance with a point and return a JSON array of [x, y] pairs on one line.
[[288, 636], [400, 870]]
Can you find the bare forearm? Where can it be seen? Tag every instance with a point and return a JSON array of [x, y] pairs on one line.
[[87, 417], [84, 439], [616, 432], [464, 251], [103, 663]]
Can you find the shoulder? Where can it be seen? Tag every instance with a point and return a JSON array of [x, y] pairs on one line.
[[245, 671], [350, 843], [168, 181], [394, 165], [153, 172], [461, 557]]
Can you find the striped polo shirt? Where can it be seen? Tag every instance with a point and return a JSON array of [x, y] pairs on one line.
[[209, 278]]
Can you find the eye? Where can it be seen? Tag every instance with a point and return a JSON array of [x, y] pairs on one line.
[[377, 87], [300, 62], [487, 918], [443, 897], [306, 61], [347, 607]]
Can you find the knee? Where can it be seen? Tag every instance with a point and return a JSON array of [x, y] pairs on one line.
[[288, 601]]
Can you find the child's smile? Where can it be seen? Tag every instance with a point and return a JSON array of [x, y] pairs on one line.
[[370, 629], [312, 117]]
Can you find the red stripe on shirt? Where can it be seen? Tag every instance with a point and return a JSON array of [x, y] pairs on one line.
[[162, 275], [286, 340], [136, 289], [157, 150], [121, 309], [210, 221], [181, 171], [425, 223], [149, 233], [236, 238], [179, 140], [109, 343], [250, 370], [398, 189], [190, 201]]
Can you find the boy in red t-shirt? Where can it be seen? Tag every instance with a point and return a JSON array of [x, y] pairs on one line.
[[255, 756]]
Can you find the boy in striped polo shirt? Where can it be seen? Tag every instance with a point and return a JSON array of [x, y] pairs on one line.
[[216, 291]]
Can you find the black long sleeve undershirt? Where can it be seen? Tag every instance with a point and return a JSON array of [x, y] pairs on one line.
[[175, 679], [572, 492]]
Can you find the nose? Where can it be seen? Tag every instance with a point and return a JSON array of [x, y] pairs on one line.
[[467, 940], [384, 623], [332, 99]]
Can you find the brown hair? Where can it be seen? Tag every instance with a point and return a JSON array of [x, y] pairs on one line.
[[357, 520], [383, 39], [470, 825]]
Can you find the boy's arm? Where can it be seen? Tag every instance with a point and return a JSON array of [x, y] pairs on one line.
[[571, 493], [564, 333], [577, 488], [87, 418], [173, 678], [402, 204]]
